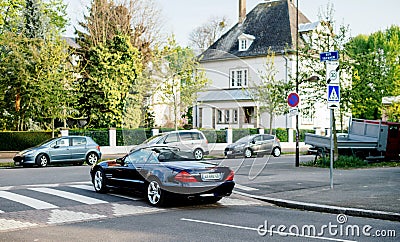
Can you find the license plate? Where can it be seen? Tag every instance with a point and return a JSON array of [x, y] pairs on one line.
[[211, 176]]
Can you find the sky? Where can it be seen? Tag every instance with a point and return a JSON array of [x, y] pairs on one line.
[[180, 17]]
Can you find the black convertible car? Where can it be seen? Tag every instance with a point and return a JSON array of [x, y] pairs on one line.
[[161, 174]]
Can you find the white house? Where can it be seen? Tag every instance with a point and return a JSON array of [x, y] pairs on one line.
[[235, 60]]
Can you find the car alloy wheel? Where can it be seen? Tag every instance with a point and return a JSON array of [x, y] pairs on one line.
[[155, 194], [276, 152], [99, 182], [92, 158], [248, 153], [43, 160], [198, 154]]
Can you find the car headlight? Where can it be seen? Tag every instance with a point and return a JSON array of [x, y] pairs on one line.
[[28, 153]]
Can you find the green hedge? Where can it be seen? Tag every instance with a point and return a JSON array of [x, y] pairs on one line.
[[215, 136], [132, 136], [240, 133], [21, 140], [100, 136]]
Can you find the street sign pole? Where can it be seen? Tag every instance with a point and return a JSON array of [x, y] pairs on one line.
[[333, 99]]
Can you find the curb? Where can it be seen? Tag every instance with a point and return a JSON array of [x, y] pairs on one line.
[[326, 208]]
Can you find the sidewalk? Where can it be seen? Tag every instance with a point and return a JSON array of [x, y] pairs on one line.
[[373, 192]]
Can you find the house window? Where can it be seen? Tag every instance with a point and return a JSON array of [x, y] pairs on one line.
[[227, 116], [243, 44], [219, 116], [235, 116], [239, 78]]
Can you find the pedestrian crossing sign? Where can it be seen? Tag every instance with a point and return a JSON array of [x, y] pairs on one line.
[[333, 96]]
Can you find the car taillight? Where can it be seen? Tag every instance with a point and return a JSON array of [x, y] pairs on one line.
[[98, 147], [230, 177], [184, 176]]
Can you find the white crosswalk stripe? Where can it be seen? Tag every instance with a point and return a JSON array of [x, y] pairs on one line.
[[245, 188], [68, 195], [30, 202], [90, 188]]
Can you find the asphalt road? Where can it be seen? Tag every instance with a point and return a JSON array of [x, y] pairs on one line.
[[126, 217]]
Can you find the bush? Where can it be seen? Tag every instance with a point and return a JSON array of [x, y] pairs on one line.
[[282, 134], [240, 133], [342, 162], [100, 136], [215, 136], [21, 140], [132, 136]]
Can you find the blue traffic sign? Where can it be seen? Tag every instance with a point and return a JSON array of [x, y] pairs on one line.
[[333, 93], [329, 56]]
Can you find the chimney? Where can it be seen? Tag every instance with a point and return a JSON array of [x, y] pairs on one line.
[[242, 10]]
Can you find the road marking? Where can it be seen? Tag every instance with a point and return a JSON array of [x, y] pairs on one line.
[[65, 216], [263, 230], [125, 210], [90, 188], [31, 202], [69, 195], [236, 202], [246, 188], [83, 187], [6, 224]]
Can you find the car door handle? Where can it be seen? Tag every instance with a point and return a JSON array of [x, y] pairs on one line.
[[138, 168]]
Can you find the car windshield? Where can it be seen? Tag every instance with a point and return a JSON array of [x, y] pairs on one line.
[[169, 154], [244, 139], [153, 140], [46, 142]]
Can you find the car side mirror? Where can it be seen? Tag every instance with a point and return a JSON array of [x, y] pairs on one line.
[[120, 160], [253, 141], [56, 147]]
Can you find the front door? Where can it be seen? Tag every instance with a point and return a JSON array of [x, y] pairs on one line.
[[60, 150]]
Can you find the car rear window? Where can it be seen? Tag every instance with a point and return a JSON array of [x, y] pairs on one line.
[[78, 141]]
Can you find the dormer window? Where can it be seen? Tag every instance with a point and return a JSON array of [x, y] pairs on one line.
[[245, 40]]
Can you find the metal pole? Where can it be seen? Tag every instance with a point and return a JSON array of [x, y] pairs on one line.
[[297, 162], [332, 148]]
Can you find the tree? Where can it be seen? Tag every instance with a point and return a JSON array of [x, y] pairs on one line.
[[375, 71], [205, 35], [181, 77], [111, 72], [32, 60], [271, 93]]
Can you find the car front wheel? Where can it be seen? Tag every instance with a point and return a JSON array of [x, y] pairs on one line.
[[248, 153], [155, 195], [42, 160], [92, 158], [276, 152]]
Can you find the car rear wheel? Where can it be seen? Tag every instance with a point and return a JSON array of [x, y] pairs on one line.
[[99, 181], [42, 160], [248, 153], [92, 158], [155, 195], [198, 154], [276, 152]]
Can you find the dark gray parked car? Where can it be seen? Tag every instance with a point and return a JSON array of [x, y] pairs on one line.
[[257, 144], [68, 149]]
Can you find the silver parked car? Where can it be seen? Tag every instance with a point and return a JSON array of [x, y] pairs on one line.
[[68, 149], [191, 143], [257, 144]]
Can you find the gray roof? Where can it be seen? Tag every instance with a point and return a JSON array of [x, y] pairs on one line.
[[224, 95], [273, 24]]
